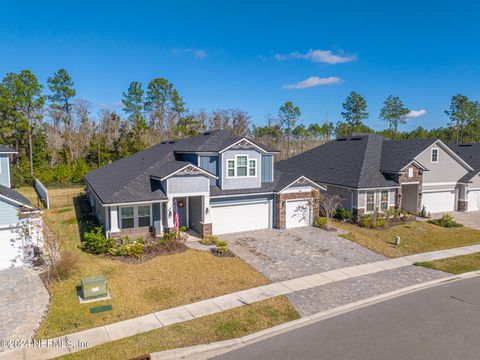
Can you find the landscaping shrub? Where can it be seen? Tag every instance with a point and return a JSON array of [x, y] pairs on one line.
[[380, 223], [365, 221], [343, 214], [321, 221], [221, 249], [96, 242], [209, 240], [66, 265], [445, 221]]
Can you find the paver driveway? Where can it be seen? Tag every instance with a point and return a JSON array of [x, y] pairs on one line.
[[23, 301], [469, 219], [287, 254]]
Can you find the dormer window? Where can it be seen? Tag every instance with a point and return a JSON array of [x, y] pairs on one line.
[[434, 157], [242, 166]]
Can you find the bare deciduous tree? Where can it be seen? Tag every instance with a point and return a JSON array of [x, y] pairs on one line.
[[329, 204]]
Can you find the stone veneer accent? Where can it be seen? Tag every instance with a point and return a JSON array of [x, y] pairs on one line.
[[205, 230], [280, 205], [462, 205], [403, 178]]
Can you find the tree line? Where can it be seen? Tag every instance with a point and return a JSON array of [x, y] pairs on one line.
[[59, 138]]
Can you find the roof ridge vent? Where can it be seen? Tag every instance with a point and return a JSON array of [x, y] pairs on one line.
[[355, 138], [465, 145], [171, 142]]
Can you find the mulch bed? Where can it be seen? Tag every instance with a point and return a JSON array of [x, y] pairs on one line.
[[151, 254]]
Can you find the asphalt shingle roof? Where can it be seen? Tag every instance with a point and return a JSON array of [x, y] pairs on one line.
[[396, 154], [5, 149], [352, 161], [129, 179], [470, 153], [14, 195]]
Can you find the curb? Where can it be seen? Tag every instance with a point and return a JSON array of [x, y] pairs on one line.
[[206, 351]]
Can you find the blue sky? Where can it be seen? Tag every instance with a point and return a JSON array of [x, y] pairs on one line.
[[254, 56]]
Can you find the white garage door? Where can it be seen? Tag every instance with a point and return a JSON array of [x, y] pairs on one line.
[[473, 200], [240, 217], [11, 253], [440, 201], [297, 213]]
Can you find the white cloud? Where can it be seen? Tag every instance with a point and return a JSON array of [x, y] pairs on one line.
[[197, 53], [416, 113], [313, 81], [323, 56]]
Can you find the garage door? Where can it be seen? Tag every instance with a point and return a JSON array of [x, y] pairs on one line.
[[440, 201], [10, 250], [473, 200], [240, 217], [297, 213]]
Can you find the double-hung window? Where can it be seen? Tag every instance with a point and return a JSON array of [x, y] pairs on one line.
[[144, 216], [384, 200], [231, 168], [242, 165], [370, 201], [127, 217], [252, 168]]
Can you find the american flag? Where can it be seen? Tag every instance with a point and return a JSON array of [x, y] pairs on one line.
[[176, 220]]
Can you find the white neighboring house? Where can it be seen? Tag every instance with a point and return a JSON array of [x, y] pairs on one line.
[[20, 226]]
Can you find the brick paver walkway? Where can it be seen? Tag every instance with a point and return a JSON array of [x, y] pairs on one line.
[[23, 301]]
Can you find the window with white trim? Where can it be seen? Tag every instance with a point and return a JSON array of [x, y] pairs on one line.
[[144, 216], [384, 200], [242, 165], [127, 217], [252, 167], [410, 172], [434, 155], [231, 168], [370, 201]]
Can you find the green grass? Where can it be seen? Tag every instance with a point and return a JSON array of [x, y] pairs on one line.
[[136, 288], [222, 326], [455, 265], [416, 237]]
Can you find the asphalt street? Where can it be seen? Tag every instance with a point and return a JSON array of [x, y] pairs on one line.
[[442, 322]]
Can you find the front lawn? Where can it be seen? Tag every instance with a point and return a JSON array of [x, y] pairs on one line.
[[456, 264], [222, 326], [416, 237], [136, 289]]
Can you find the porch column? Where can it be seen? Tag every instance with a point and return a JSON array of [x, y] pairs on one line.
[[113, 219], [170, 224], [206, 224]]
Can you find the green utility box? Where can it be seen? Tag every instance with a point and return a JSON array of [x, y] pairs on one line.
[[94, 287]]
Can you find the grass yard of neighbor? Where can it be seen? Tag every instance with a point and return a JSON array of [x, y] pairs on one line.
[[58, 196], [222, 326], [416, 237], [136, 289], [455, 265]]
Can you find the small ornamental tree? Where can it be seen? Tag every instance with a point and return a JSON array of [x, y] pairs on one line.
[[329, 205]]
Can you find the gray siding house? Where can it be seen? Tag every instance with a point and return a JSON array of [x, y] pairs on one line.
[[213, 183], [12, 204], [371, 173]]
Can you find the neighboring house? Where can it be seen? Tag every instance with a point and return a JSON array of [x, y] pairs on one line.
[[371, 173], [12, 204], [215, 183]]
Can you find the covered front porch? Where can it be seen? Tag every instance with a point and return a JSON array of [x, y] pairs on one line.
[[147, 218]]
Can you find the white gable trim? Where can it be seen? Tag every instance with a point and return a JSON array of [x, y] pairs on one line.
[[307, 180], [243, 139], [449, 152], [6, 198], [183, 168], [414, 162]]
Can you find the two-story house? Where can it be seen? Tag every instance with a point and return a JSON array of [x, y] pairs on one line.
[[213, 183], [12, 204], [372, 173]]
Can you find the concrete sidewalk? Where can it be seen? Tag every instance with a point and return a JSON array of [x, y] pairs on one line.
[[126, 328]]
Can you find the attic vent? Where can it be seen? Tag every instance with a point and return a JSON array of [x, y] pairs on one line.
[[342, 139], [355, 138], [465, 145]]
